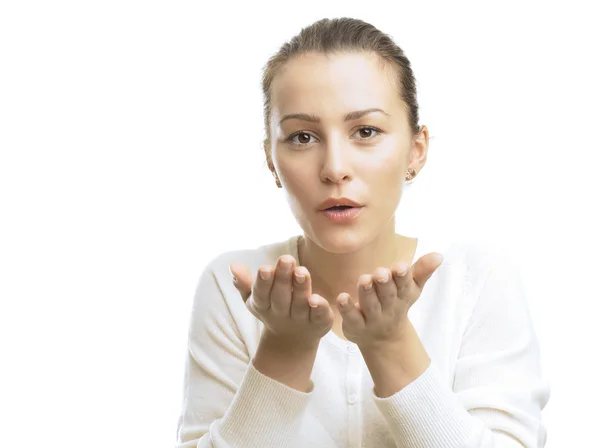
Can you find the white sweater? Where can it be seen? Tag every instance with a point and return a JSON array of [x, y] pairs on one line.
[[484, 386]]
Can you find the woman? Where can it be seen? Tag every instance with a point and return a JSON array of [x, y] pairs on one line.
[[338, 337]]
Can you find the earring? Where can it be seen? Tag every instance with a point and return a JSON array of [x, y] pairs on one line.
[[410, 175]]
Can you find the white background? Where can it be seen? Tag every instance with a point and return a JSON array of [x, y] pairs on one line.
[[130, 139]]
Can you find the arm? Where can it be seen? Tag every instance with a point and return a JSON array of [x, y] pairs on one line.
[[227, 401], [289, 365], [498, 393]]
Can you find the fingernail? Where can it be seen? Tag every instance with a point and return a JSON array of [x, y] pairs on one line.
[[312, 302], [299, 278], [286, 266], [402, 269], [383, 280], [265, 275], [234, 279], [439, 258], [368, 286], [344, 302]]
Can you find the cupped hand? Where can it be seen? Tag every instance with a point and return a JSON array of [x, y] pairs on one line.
[[384, 298], [281, 297]]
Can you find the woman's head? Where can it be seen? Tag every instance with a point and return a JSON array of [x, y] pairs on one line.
[[341, 120]]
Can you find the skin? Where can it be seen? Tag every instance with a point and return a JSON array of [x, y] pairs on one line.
[[334, 158]]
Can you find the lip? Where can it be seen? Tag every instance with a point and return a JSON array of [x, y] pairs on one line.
[[342, 216], [332, 202]]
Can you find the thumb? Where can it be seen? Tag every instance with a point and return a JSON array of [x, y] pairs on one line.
[[242, 279], [424, 268]]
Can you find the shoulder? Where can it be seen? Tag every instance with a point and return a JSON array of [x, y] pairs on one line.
[[215, 287], [217, 307], [253, 258], [478, 256], [485, 270], [468, 262]]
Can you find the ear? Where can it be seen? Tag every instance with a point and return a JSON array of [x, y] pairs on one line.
[[420, 147], [267, 149]]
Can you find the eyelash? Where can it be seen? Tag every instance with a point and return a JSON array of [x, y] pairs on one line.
[[376, 133]]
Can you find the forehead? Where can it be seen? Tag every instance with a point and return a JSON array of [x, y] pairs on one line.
[[333, 84]]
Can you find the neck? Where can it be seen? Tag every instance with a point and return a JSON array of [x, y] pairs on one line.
[[334, 273]]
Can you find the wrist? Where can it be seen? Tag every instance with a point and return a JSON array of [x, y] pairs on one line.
[[404, 335], [285, 363], [288, 345], [395, 364]]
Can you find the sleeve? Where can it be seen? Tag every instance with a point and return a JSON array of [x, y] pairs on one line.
[[498, 393], [227, 402]]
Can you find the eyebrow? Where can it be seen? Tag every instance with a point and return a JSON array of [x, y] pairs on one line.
[[348, 117]]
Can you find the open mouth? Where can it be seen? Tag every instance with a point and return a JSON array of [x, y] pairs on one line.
[[339, 208]]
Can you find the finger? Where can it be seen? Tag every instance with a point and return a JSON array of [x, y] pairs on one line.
[[349, 312], [242, 279], [425, 267], [301, 293], [262, 288], [320, 311], [386, 289], [402, 275], [281, 292], [367, 298]]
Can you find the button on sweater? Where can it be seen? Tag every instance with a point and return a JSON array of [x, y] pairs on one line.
[[483, 388]]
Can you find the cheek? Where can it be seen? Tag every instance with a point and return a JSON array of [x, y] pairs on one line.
[[293, 171], [294, 175], [384, 168], [384, 180]]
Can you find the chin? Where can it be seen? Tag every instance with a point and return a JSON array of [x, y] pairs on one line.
[[339, 240]]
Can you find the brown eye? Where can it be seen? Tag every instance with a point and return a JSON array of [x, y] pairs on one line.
[[300, 139], [366, 132], [303, 138]]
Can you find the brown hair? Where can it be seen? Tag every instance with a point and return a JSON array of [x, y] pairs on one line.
[[329, 36]]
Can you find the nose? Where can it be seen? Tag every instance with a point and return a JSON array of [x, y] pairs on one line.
[[336, 167]]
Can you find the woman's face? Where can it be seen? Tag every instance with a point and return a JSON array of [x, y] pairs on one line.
[[363, 157]]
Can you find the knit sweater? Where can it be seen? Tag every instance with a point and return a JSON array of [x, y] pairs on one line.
[[483, 388]]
